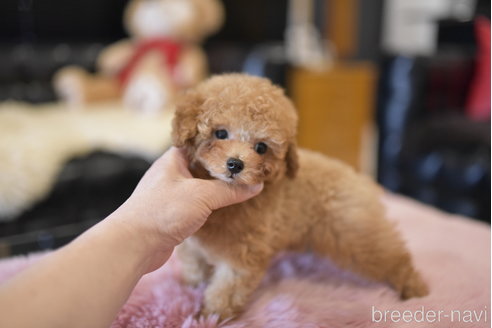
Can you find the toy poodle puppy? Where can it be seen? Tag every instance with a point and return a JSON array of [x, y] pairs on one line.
[[241, 129]]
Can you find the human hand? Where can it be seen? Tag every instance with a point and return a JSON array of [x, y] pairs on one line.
[[109, 259], [168, 204]]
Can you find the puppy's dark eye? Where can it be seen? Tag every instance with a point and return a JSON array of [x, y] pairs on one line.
[[221, 134], [261, 148]]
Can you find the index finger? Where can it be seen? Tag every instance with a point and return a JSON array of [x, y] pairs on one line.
[[175, 160]]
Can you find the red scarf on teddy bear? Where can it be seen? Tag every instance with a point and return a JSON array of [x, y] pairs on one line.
[[169, 50]]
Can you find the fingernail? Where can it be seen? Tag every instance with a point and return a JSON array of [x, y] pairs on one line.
[[256, 188]]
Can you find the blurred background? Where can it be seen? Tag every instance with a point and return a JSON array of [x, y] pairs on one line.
[[398, 89]]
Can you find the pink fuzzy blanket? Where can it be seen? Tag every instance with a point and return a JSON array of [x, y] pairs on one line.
[[302, 290]]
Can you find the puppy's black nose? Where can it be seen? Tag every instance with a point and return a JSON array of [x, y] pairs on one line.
[[235, 165]]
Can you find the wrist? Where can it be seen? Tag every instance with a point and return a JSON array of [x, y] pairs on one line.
[[143, 242]]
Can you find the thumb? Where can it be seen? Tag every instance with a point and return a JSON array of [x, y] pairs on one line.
[[223, 194]]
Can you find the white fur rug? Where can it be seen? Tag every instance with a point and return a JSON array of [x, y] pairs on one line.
[[36, 141]]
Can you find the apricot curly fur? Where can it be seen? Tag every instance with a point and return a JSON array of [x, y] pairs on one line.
[[309, 203]]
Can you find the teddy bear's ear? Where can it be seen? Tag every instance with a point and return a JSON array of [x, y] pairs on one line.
[[292, 160], [211, 15], [185, 118]]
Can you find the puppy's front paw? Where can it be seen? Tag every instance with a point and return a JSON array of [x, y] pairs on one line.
[[414, 287], [193, 278], [225, 314]]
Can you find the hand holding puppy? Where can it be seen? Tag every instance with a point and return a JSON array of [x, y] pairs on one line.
[[107, 260], [168, 204]]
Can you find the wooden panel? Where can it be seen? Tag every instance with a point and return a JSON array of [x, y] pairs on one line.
[[342, 26], [335, 109]]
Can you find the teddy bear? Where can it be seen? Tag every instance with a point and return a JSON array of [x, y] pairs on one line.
[[161, 58]]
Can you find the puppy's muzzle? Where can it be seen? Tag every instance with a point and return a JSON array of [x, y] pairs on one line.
[[235, 165]]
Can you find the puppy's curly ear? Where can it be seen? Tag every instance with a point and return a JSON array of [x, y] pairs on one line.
[[292, 160], [185, 118]]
